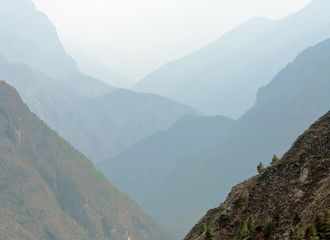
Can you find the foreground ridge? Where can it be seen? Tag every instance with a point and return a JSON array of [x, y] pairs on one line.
[[283, 200]]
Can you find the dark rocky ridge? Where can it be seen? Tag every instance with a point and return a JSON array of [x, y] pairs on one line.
[[299, 182]]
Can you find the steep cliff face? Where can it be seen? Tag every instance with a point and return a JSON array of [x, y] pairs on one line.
[[285, 197], [48, 190]]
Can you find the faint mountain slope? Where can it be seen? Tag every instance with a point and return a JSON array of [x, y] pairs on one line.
[[59, 94], [228, 86], [58, 106], [299, 183], [48, 190], [30, 38], [128, 117], [142, 169], [169, 78], [98, 127], [90, 65], [297, 96]]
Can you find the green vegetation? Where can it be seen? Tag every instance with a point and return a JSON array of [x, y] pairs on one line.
[[322, 224], [202, 229], [223, 220], [310, 233], [277, 219], [318, 230], [51, 191], [209, 235], [268, 227], [260, 167], [245, 196], [295, 219], [296, 235], [246, 232], [274, 160]]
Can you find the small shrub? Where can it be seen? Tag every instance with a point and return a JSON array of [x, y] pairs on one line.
[[223, 220]]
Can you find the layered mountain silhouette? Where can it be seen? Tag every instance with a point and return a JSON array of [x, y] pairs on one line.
[[92, 66], [147, 164], [297, 96], [289, 199], [223, 78], [48, 190], [97, 119], [31, 39]]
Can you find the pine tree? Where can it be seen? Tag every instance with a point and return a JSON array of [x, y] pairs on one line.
[[296, 235], [245, 196], [209, 235], [260, 167], [246, 232], [274, 159], [310, 233], [202, 229], [322, 224], [250, 224], [268, 227]]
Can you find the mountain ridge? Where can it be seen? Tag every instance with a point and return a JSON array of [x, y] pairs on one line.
[[295, 185], [48, 190], [266, 129], [237, 79]]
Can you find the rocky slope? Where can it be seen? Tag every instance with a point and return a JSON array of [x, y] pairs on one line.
[[283, 198], [48, 190]]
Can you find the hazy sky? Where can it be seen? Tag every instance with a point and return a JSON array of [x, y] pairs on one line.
[[135, 37]]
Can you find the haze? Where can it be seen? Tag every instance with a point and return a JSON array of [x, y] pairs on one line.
[[134, 38]]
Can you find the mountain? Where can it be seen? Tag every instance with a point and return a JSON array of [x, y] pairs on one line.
[[297, 96], [141, 170], [127, 117], [169, 78], [37, 44], [90, 65], [83, 110], [225, 82], [284, 199], [48, 190], [31, 39], [99, 127]]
